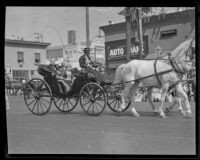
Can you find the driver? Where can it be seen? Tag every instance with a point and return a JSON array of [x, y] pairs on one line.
[[85, 60], [85, 63]]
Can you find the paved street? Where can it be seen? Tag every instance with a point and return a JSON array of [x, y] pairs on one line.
[[109, 133]]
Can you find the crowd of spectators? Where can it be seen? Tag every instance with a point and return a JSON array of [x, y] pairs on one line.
[[142, 93]]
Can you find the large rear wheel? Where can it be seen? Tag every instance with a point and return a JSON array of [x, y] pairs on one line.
[[63, 103], [37, 96]]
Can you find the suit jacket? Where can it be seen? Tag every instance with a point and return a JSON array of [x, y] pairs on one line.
[[83, 61]]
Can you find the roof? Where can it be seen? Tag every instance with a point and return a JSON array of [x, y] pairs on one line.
[[154, 18], [27, 42]]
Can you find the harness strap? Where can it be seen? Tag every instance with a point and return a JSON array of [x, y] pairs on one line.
[[172, 86], [156, 73], [176, 67]]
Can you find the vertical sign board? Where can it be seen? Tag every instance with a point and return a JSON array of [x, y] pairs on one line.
[[72, 53], [116, 50]]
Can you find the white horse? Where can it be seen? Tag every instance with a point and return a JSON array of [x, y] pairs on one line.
[[145, 71]]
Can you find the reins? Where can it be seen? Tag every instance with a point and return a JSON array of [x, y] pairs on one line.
[[164, 72]]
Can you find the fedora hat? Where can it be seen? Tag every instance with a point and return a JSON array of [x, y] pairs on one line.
[[86, 49]]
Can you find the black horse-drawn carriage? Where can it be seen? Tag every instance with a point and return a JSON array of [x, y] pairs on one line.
[[93, 95]]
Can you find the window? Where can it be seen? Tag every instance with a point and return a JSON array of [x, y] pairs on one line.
[[20, 74], [168, 33], [32, 72], [20, 57], [37, 57]]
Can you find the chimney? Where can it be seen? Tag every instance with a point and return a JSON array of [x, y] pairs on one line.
[[110, 22], [72, 37]]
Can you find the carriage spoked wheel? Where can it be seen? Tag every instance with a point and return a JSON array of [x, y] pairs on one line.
[[38, 96], [65, 104], [114, 100], [92, 99]]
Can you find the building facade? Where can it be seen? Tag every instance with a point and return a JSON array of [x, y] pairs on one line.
[[159, 31], [21, 55]]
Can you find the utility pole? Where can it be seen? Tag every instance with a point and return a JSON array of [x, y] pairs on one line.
[[128, 37], [139, 25], [87, 28]]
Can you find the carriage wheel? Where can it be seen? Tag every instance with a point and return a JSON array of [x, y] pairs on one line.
[[93, 99], [114, 101], [65, 104], [38, 96]]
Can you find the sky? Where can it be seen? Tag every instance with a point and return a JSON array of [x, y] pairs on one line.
[[25, 21]]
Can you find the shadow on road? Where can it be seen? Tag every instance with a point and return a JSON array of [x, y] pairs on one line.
[[110, 113]]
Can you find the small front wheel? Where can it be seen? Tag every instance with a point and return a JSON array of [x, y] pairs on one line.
[[114, 100]]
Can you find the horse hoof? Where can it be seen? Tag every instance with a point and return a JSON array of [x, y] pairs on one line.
[[167, 110], [163, 116], [156, 111], [183, 113], [136, 115], [120, 109], [188, 115]]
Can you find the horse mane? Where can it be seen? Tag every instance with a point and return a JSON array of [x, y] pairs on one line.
[[180, 51]]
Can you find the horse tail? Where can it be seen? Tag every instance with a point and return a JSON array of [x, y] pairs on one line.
[[118, 74]]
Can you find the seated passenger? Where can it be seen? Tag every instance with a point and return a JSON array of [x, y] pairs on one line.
[[57, 74]]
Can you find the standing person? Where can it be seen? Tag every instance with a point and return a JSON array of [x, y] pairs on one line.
[[7, 101], [6, 96]]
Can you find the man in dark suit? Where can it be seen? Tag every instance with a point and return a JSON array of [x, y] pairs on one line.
[[85, 60], [86, 64]]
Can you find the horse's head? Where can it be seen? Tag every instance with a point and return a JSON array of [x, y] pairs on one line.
[[184, 56], [184, 67], [191, 54]]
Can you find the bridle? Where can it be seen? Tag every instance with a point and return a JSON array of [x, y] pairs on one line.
[[186, 62]]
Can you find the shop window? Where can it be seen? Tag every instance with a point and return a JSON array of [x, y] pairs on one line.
[[20, 57], [168, 33], [37, 57]]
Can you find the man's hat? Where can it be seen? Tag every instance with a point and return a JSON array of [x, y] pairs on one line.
[[86, 49]]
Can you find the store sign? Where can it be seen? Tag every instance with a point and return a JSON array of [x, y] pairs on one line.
[[71, 52], [117, 51]]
